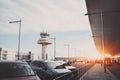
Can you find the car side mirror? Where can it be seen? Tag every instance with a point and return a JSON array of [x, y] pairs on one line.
[[35, 72]]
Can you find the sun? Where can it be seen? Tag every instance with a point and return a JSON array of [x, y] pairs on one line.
[[107, 55]]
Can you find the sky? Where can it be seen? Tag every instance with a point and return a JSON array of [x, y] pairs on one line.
[[62, 19]]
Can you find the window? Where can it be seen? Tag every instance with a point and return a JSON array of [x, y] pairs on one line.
[[4, 56], [4, 51], [15, 70]]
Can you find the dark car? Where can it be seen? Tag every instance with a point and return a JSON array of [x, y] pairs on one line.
[[52, 69], [28, 61], [41, 73], [67, 65], [16, 70]]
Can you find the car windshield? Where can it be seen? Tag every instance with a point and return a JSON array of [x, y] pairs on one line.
[[53, 65], [15, 70]]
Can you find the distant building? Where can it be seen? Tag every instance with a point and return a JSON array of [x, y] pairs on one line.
[[9, 54]]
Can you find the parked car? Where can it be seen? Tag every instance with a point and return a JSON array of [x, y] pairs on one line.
[[16, 70], [28, 61], [67, 65], [52, 69], [41, 73]]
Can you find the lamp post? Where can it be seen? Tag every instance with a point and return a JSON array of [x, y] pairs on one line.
[[54, 47], [102, 28], [68, 51], [75, 53], [19, 21], [102, 32]]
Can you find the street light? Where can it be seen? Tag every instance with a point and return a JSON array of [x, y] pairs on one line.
[[68, 51], [54, 47], [75, 53], [19, 21], [102, 32]]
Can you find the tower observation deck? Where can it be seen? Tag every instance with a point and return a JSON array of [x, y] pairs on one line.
[[44, 41]]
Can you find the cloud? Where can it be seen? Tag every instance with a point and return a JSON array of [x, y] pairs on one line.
[[39, 15]]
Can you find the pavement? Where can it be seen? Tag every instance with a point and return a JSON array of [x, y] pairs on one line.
[[97, 73], [115, 69]]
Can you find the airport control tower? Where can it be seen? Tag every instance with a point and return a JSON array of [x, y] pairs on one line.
[[44, 41]]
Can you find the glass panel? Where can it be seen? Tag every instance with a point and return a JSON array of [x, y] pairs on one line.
[[15, 70]]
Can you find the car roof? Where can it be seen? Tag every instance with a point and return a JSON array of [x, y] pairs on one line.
[[11, 61], [44, 60]]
